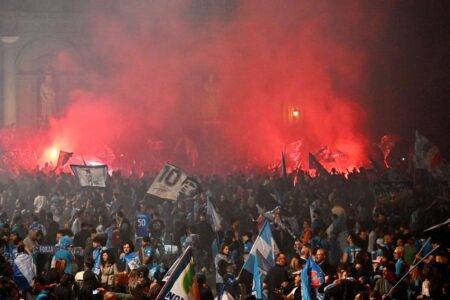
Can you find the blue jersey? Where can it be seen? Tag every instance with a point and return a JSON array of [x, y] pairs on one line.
[[142, 223], [352, 251], [399, 268]]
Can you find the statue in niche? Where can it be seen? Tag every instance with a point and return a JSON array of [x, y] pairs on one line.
[[47, 95]]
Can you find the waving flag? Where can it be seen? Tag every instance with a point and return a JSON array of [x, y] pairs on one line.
[[312, 278], [94, 176], [315, 164], [24, 271], [275, 217], [63, 158], [293, 151], [427, 156], [259, 272], [216, 219], [181, 284], [261, 257], [324, 154], [329, 155]]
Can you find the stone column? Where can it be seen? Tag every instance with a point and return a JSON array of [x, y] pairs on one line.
[[9, 81]]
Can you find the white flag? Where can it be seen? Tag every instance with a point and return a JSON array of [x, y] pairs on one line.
[[171, 182], [216, 219], [90, 175]]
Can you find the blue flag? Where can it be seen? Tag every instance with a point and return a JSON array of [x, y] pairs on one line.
[[312, 278]]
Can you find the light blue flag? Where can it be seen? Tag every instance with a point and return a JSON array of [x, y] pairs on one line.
[[265, 245], [257, 279], [261, 258]]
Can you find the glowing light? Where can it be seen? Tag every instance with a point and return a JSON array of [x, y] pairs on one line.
[[295, 113], [94, 163], [51, 154]]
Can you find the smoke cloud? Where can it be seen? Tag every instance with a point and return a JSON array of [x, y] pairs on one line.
[[163, 76]]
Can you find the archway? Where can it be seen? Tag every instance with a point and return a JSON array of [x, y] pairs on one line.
[[36, 60]]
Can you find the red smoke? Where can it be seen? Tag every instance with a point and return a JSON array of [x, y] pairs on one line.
[[221, 75]]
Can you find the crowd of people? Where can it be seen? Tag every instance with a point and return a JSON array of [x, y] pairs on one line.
[[364, 230]]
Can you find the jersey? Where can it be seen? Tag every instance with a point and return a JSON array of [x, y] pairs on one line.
[[142, 222], [352, 251]]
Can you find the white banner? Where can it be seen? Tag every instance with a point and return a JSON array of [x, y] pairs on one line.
[[90, 175], [171, 182]]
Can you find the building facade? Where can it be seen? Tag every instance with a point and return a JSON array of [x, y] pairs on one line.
[[39, 39]]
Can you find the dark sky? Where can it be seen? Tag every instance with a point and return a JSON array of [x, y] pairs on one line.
[[409, 83]]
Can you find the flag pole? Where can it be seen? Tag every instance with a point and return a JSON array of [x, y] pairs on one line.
[[163, 290], [253, 246], [57, 162], [421, 249], [412, 268]]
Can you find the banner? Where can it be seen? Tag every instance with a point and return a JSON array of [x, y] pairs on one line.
[[171, 182], [51, 249], [94, 176]]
